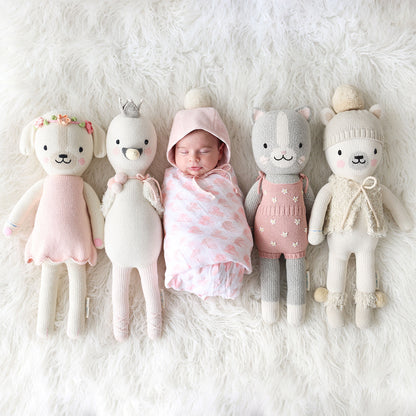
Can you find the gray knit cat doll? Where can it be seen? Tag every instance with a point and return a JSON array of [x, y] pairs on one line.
[[277, 204]]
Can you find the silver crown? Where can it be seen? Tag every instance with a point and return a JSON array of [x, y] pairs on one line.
[[129, 108]]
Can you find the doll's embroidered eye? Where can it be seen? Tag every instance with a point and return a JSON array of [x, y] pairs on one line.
[[146, 141], [81, 149], [339, 152], [45, 147], [265, 145], [117, 141], [300, 145], [375, 151]]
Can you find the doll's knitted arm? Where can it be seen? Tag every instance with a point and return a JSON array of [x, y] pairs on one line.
[[23, 207], [397, 209], [318, 214], [309, 199], [96, 217], [252, 202], [108, 200], [152, 193]]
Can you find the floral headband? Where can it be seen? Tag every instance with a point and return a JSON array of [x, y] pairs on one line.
[[64, 121]]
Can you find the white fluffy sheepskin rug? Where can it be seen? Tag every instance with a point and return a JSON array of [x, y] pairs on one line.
[[216, 357]]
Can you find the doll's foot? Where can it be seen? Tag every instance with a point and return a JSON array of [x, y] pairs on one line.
[[75, 331], [296, 314], [270, 311], [335, 317], [363, 316], [43, 331], [121, 328], [364, 309], [335, 309], [154, 325]]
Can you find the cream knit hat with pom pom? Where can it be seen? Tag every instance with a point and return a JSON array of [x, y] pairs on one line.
[[350, 120]]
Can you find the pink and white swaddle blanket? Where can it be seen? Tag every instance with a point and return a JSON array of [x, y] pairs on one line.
[[207, 239]]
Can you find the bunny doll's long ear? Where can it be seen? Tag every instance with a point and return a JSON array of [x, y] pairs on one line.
[[27, 138], [98, 137]]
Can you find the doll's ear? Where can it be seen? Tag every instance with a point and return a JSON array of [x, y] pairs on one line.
[[326, 115], [376, 110], [27, 138], [306, 112], [256, 114], [98, 137]]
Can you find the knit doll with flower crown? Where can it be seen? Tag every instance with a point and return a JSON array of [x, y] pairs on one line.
[[349, 208], [68, 224]]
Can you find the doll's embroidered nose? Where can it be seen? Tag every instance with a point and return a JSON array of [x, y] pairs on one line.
[[132, 153], [63, 156], [283, 152]]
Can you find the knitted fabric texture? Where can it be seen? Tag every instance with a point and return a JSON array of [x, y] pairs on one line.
[[353, 124], [366, 300], [280, 223], [348, 199], [62, 229], [336, 300]]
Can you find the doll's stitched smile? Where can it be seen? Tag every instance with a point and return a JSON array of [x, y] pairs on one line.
[[283, 157], [63, 157]]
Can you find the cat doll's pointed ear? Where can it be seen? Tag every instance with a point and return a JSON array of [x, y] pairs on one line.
[[306, 112], [256, 114]]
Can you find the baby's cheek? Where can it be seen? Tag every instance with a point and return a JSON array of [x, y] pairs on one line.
[[374, 162], [340, 164]]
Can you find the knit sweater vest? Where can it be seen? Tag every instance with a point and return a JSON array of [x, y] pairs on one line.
[[349, 198]]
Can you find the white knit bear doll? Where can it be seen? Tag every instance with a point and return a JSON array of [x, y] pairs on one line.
[[349, 208], [68, 225], [131, 206]]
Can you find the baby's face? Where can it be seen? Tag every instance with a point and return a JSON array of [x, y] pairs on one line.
[[198, 153]]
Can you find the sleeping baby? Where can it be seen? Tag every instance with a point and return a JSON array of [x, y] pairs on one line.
[[207, 239]]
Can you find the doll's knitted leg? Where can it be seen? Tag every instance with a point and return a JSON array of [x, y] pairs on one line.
[[270, 289], [337, 269], [47, 300], [365, 297], [120, 297], [296, 290], [150, 286], [77, 294]]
